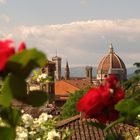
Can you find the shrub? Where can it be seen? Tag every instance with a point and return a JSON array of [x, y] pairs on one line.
[[69, 108], [132, 87]]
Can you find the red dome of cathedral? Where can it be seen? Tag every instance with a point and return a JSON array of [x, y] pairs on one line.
[[111, 64]]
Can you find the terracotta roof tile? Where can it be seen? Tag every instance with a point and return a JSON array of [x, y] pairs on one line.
[[79, 83], [83, 131], [63, 88]]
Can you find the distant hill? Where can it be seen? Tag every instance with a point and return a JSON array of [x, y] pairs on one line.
[[130, 72], [80, 71]]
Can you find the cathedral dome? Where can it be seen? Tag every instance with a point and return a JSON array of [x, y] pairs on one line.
[[111, 64]]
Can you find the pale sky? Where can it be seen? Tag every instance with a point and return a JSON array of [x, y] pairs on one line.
[[80, 30]]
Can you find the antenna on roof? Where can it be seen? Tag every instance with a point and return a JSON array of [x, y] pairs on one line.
[[56, 51], [111, 48]]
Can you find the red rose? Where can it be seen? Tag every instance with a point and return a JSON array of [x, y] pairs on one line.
[[107, 115], [111, 81], [21, 47], [90, 104], [102, 118], [6, 50], [113, 114], [105, 95], [99, 102], [118, 95]]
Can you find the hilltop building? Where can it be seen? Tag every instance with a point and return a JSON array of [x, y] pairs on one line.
[[111, 64]]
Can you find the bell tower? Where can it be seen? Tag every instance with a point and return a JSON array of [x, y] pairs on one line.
[[57, 61], [67, 71]]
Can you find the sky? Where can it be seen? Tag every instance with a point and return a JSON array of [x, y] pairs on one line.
[[79, 31]]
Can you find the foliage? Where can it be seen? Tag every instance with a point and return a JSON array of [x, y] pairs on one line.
[[137, 64], [130, 111], [42, 128], [131, 87], [129, 108], [15, 67], [39, 77], [69, 108]]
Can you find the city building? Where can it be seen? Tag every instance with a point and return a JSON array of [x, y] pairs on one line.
[[64, 85]]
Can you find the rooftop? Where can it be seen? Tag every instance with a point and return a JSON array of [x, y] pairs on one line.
[[82, 131]]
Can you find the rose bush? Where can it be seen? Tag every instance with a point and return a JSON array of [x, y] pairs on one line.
[[15, 67], [99, 102]]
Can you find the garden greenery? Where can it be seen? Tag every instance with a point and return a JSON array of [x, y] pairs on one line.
[[41, 128], [69, 108], [15, 67]]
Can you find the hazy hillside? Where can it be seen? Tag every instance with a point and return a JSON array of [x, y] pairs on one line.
[[80, 71], [130, 71]]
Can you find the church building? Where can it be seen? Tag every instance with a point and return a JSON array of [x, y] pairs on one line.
[[111, 64]]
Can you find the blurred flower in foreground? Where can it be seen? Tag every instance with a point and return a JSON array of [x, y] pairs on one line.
[[7, 49], [41, 128], [99, 102], [21, 47]]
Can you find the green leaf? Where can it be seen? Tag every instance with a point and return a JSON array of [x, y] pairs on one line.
[[126, 106], [36, 98], [11, 116], [98, 125], [129, 109], [13, 86], [23, 63], [7, 133], [6, 95]]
